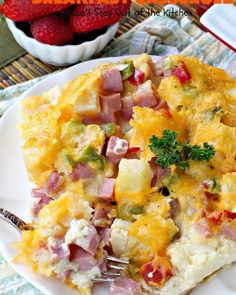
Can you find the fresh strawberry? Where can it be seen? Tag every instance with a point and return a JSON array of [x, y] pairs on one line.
[[51, 29], [25, 10], [89, 17]]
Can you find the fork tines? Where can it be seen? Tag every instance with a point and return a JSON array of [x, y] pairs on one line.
[[114, 259], [116, 264]]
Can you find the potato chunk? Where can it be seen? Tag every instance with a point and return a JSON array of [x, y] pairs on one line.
[[134, 176], [81, 95]]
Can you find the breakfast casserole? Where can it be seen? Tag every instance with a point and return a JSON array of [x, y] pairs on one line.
[[136, 159]]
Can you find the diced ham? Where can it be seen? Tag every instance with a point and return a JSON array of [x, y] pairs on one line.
[[158, 172], [229, 230], [53, 183], [127, 107], [103, 215], [82, 171], [84, 260], [58, 250], [40, 199], [111, 81], [83, 234], [116, 149], [106, 190], [105, 235], [145, 96], [124, 286], [105, 118], [86, 120], [103, 261], [158, 69], [102, 118], [110, 103], [92, 243], [202, 228]]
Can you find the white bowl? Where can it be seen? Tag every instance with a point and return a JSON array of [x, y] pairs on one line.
[[62, 55], [220, 21]]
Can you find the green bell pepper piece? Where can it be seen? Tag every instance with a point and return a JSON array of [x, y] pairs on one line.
[[109, 128], [136, 210], [72, 127], [167, 64], [68, 160], [90, 155], [126, 211], [128, 71]]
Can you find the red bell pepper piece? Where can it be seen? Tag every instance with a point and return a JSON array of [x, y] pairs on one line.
[[230, 214], [150, 274], [133, 150], [218, 216], [137, 78], [157, 271], [181, 73], [212, 196], [215, 216]]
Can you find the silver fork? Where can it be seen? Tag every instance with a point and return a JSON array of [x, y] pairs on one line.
[[115, 265]]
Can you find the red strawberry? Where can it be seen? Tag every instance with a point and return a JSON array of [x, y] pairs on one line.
[[51, 29], [25, 10], [89, 17]]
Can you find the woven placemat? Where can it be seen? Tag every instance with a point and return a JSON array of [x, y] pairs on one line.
[[27, 67], [9, 48]]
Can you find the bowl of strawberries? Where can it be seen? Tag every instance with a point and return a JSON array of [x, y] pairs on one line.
[[62, 34]]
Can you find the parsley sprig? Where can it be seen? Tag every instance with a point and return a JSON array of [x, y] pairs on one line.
[[169, 151]]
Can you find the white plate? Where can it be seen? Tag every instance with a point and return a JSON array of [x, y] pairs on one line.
[[220, 20], [15, 192]]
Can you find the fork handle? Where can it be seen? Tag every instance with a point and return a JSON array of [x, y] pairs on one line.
[[14, 220]]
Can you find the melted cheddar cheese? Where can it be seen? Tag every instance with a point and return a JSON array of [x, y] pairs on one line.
[[157, 121], [63, 128], [148, 226]]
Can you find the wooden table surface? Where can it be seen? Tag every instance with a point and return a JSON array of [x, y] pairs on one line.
[[28, 67]]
